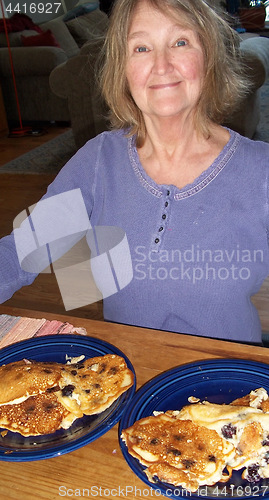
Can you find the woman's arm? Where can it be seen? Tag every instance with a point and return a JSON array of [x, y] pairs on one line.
[[52, 226]]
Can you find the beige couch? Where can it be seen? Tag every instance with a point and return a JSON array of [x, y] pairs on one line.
[[74, 81], [255, 52], [33, 65]]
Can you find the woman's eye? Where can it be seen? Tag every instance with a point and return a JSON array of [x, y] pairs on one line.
[[181, 43], [141, 49]]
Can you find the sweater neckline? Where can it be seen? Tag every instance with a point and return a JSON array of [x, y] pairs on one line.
[[190, 189]]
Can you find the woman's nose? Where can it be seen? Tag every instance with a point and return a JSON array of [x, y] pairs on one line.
[[162, 62]]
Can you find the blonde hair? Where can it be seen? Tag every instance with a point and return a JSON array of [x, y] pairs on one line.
[[225, 81]]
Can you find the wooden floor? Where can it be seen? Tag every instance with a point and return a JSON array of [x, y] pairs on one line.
[[11, 148], [20, 191]]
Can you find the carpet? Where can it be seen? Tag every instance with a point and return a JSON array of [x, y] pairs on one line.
[[48, 158], [52, 156]]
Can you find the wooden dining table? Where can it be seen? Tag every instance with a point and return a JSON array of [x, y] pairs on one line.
[[99, 470]]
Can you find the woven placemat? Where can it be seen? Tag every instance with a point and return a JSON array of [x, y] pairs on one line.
[[16, 328]]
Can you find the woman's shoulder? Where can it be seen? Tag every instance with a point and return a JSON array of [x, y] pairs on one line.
[[254, 144], [251, 154], [107, 148], [108, 137], [95, 148]]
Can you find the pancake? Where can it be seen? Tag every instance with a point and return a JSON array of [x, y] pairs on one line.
[[42, 397], [244, 423], [91, 386], [178, 451], [194, 446], [256, 399], [41, 414], [26, 378]]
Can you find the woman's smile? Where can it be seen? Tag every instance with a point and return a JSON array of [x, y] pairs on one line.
[[167, 85]]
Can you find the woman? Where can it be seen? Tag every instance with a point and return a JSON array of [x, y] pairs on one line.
[[190, 195]]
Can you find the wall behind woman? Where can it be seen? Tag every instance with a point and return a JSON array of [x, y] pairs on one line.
[[41, 11]]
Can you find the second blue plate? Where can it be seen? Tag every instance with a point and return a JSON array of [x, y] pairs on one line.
[[218, 381]]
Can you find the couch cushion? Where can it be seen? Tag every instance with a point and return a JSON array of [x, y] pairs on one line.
[[255, 52], [88, 27], [45, 39], [80, 10], [15, 38], [31, 61], [62, 35]]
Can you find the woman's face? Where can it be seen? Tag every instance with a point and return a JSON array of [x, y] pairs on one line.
[[165, 64]]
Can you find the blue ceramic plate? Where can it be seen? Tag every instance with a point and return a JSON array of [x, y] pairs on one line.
[[218, 381], [13, 446]]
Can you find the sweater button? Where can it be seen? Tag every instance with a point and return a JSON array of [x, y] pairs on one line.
[[163, 216], [157, 240], [166, 204], [168, 192], [160, 229]]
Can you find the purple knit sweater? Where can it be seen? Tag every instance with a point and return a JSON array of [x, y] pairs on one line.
[[198, 253]]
